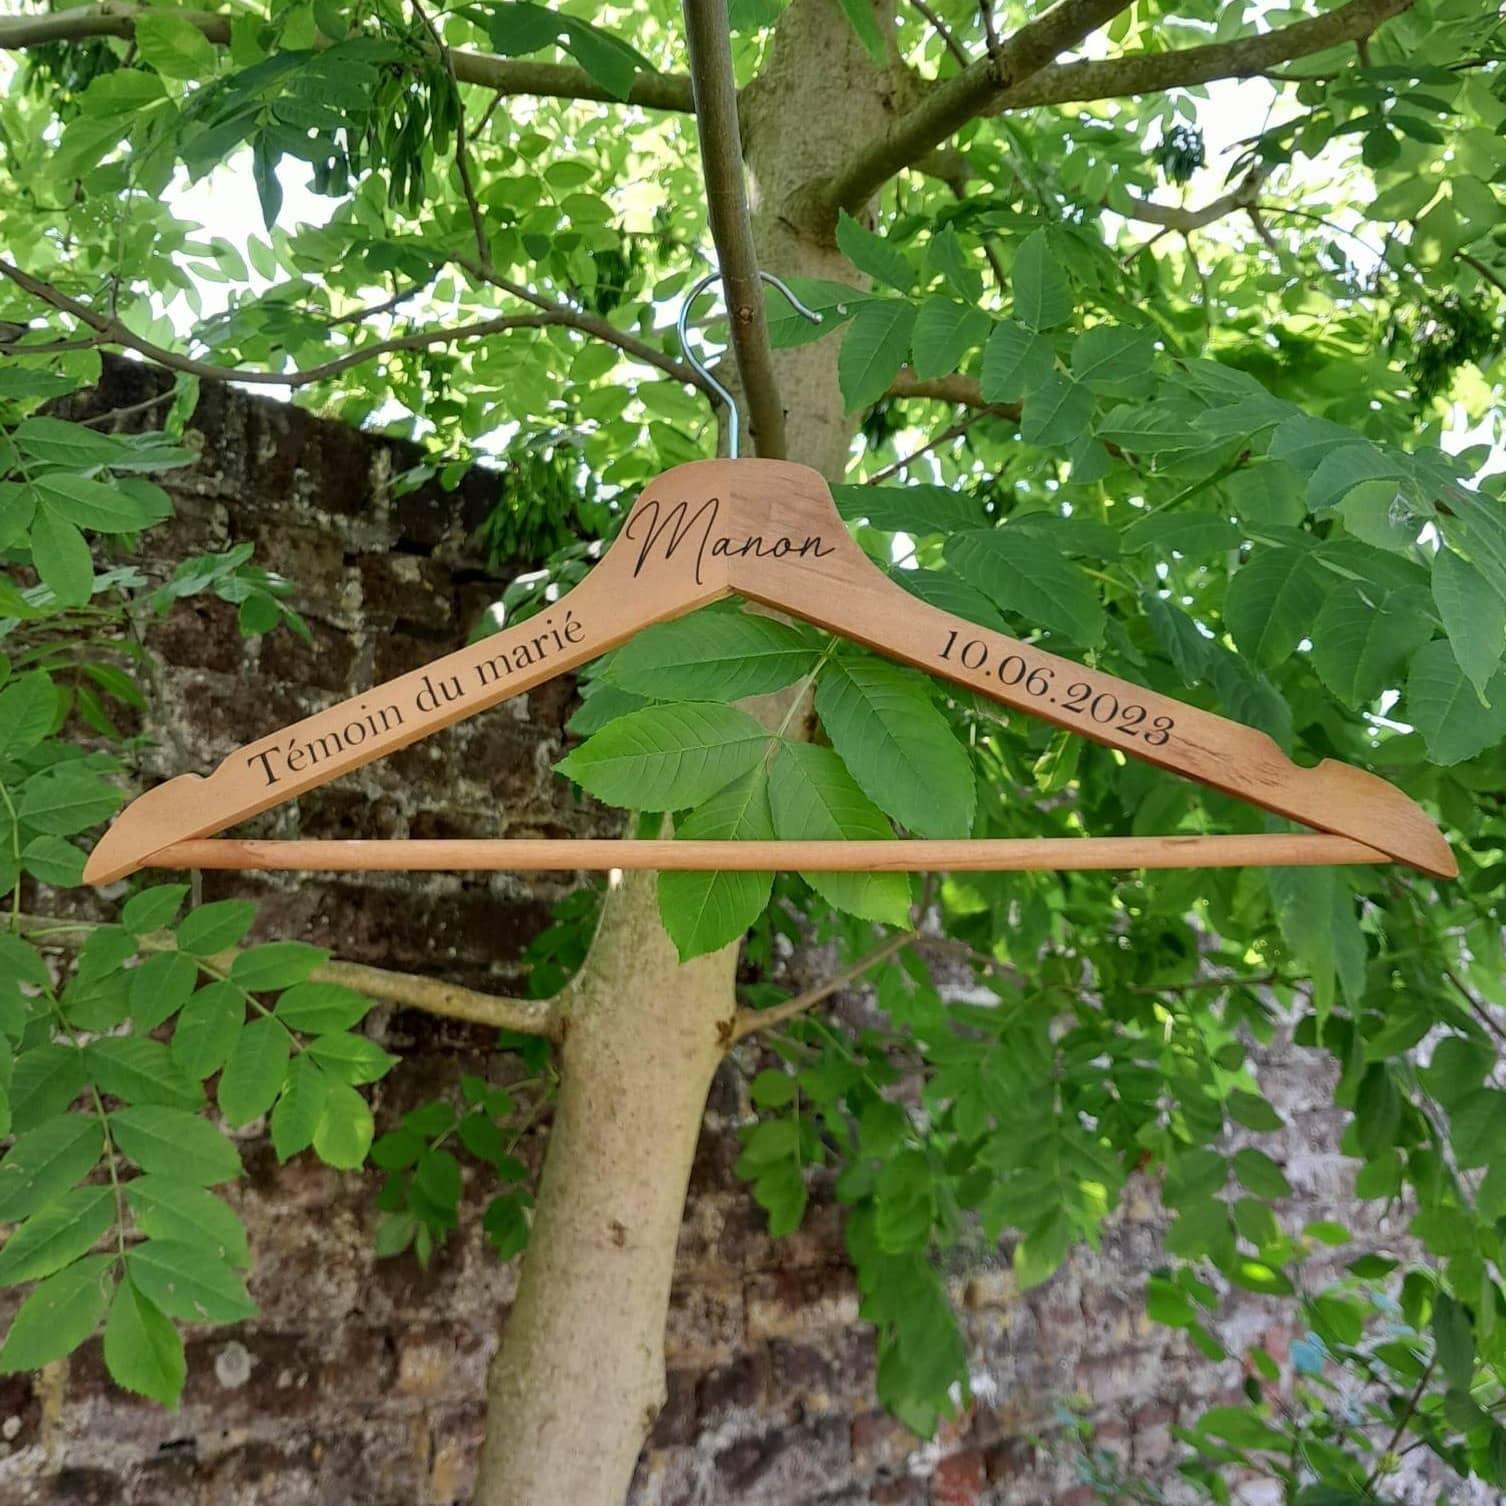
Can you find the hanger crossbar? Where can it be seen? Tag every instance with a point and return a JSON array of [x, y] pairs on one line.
[[1006, 854]]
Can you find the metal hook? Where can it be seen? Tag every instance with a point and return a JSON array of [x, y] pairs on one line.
[[734, 421]]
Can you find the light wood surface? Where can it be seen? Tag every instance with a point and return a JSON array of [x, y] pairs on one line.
[[1277, 849], [767, 530]]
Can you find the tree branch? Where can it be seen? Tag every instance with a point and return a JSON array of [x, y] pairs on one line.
[[1244, 57], [1179, 217], [507, 76], [750, 1020], [1022, 76], [950, 105], [110, 331], [964, 391], [942, 30], [710, 42], [500, 1012]]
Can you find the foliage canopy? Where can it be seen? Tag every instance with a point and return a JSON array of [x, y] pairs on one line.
[[1193, 432]]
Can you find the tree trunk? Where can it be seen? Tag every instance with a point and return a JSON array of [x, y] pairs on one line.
[[579, 1377]]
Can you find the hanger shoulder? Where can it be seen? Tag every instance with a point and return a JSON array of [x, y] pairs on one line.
[[847, 594], [609, 606]]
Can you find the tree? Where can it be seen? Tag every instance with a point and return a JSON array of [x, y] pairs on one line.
[[1204, 455]]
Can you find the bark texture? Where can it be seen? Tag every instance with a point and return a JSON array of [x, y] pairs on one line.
[[579, 1379]]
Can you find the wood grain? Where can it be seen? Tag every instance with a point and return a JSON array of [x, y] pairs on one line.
[[1259, 850], [769, 531]]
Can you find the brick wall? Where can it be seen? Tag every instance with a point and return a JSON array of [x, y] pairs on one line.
[[359, 1383]]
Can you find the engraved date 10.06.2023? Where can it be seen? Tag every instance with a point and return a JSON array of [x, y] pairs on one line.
[[1081, 698]]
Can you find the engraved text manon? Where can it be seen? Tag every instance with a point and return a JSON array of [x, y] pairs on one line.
[[661, 531]]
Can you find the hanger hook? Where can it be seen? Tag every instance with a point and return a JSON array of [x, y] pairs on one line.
[[734, 422]]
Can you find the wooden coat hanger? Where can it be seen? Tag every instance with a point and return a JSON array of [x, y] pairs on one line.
[[768, 531]]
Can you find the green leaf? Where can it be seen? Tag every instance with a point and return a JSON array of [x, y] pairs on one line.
[[173, 46], [872, 254], [1364, 637], [160, 987], [143, 1351], [276, 964], [1030, 579], [1260, 1173], [1477, 1128], [836, 302], [187, 1281], [59, 1315], [152, 909], [45, 1162], [1042, 298], [896, 745], [1273, 602], [812, 796], [1016, 361], [1056, 411], [319, 1008], [207, 1029], [945, 590], [1194, 535], [1442, 704], [296, 1114], [51, 860], [609, 60], [703, 911], [45, 1081], [1473, 613], [343, 1134], [516, 29], [264, 158], [139, 1070], [945, 331], [255, 1073], [93, 505], [1344, 468], [919, 510], [861, 17], [211, 929], [1113, 360], [28, 708], [1152, 428], [946, 254], [58, 1235], [55, 441], [873, 350], [1306, 442], [352, 1058], [667, 757], [1454, 1336], [721, 656], [66, 799], [175, 1143], [166, 1208]]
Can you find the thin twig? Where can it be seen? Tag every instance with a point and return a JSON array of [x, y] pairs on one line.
[[945, 32], [750, 1020], [141, 407], [1401, 1424], [953, 431], [501, 1012]]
